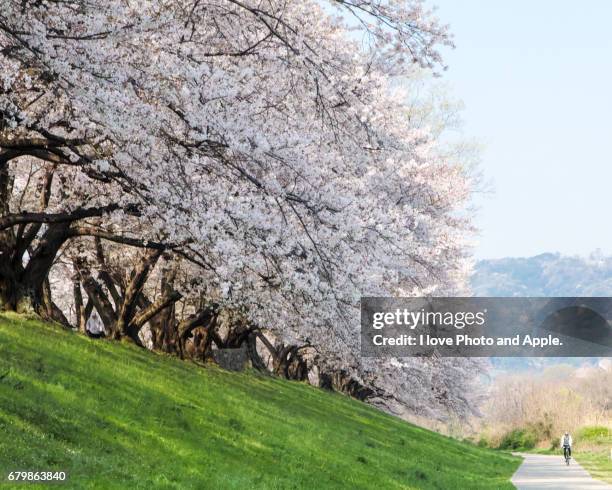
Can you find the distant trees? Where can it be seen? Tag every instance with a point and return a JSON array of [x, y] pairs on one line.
[[545, 405], [204, 173]]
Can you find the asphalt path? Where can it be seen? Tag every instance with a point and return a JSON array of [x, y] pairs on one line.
[[542, 472]]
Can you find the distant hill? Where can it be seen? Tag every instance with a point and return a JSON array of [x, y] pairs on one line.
[[548, 274]]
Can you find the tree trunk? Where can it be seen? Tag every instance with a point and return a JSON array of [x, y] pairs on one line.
[[23, 290], [8, 279], [164, 326], [256, 360], [100, 302], [51, 310], [132, 292], [146, 314], [206, 317], [42, 259], [82, 312]]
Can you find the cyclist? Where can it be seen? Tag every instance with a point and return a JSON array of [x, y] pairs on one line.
[[566, 444]]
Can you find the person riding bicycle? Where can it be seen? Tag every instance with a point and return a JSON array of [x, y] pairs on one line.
[[566, 444]]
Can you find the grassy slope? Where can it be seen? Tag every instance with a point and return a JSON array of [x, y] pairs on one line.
[[594, 452], [115, 416], [597, 462]]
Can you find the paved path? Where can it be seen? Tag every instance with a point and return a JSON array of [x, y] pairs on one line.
[[540, 472]]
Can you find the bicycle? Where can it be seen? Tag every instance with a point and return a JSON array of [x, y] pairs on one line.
[[566, 454]]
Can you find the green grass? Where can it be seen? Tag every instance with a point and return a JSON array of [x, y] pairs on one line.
[[594, 451], [115, 416], [596, 462], [542, 450]]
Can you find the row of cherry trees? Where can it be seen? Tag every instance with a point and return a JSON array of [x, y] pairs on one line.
[[198, 175]]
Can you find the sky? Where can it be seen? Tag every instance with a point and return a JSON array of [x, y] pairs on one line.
[[536, 81]]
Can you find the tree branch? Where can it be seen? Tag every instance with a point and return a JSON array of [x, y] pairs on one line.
[[18, 218], [154, 308]]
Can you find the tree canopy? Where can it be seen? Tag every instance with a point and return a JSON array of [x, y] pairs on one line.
[[228, 172]]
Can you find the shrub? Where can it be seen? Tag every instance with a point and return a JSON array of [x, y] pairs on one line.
[[484, 442], [518, 439], [593, 433]]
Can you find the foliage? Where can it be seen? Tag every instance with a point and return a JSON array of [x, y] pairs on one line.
[[544, 405], [518, 439], [115, 416], [593, 433]]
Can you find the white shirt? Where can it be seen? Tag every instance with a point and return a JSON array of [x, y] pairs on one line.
[[569, 437]]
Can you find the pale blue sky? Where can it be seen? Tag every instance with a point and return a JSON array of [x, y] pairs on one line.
[[536, 80]]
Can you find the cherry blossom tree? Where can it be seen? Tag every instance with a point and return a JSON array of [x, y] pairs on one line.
[[262, 156]]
